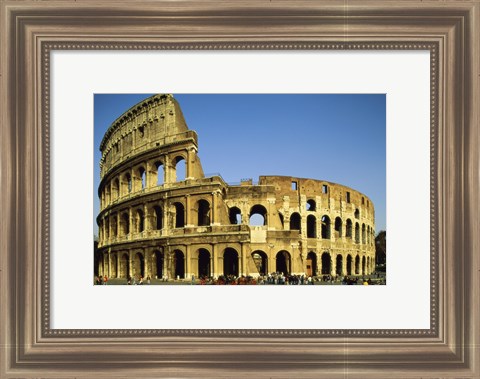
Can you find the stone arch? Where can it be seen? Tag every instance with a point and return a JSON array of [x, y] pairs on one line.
[[204, 266], [348, 230], [339, 265], [357, 265], [139, 265], [357, 233], [363, 265], [363, 234], [258, 215], [142, 177], [356, 213], [311, 205], [139, 220], [311, 226], [349, 264], [326, 227], [115, 188], [283, 262], [179, 215], [158, 260], [295, 222], [311, 264], [230, 262], [338, 227], [125, 224], [178, 264], [203, 208], [157, 217], [326, 263], [114, 224], [127, 183], [179, 168], [160, 173], [260, 259], [235, 215]]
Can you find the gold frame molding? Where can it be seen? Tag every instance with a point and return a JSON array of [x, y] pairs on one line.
[[32, 29]]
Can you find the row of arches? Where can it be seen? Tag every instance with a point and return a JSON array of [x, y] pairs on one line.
[[145, 175], [258, 216], [151, 217], [122, 266]]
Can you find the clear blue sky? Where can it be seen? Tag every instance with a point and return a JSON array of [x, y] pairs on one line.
[[337, 138]]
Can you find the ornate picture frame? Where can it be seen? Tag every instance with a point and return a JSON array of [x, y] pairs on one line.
[[29, 347]]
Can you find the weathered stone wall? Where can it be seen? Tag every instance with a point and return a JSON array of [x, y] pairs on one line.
[[154, 223]]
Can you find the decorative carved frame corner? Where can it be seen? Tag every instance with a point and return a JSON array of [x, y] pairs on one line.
[[32, 29]]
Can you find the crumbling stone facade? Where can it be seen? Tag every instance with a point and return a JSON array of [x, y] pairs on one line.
[[152, 222]]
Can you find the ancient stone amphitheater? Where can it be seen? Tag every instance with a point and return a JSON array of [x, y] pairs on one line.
[[160, 216]]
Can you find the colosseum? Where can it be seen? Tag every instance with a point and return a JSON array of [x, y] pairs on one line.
[[160, 216]]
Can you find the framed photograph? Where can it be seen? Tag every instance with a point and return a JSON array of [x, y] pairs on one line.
[[239, 165]]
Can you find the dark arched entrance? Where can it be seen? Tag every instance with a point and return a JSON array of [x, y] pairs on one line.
[[338, 270], [203, 263], [230, 262], [283, 262], [158, 262], [179, 264], [312, 264], [326, 264], [124, 266], [349, 264], [357, 265]]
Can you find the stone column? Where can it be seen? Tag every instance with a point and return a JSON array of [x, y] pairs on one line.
[[131, 222], [214, 219], [109, 275], [243, 260], [165, 212], [148, 218], [333, 264], [119, 224], [215, 269], [130, 263], [319, 265], [189, 163], [344, 264], [188, 212], [110, 228]]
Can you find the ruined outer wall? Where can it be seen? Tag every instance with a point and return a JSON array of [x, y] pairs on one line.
[[154, 223]]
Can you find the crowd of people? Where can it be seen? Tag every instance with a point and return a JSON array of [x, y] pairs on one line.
[[275, 278]]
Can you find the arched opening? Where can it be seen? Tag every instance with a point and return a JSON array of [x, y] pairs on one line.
[[261, 261], [295, 222], [179, 264], [357, 213], [235, 216], [363, 265], [158, 261], [116, 189], [140, 221], [311, 227], [180, 169], [283, 262], [311, 264], [158, 217], [311, 205], [349, 264], [179, 215], [114, 226], [338, 227], [203, 263], [107, 195], [125, 224], [357, 233], [203, 207], [363, 234], [127, 183], [142, 175], [113, 266], [348, 232], [326, 263], [124, 266], [160, 173], [357, 265], [326, 227], [258, 215], [230, 262], [339, 264], [139, 265]]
